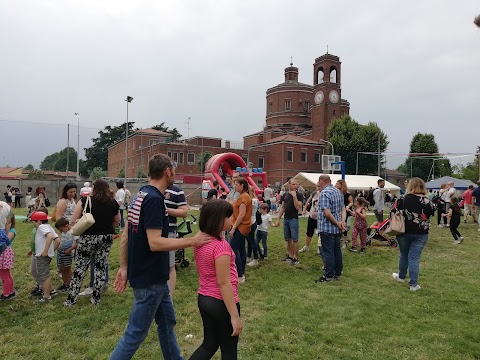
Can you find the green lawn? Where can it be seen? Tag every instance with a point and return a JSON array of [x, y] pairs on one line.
[[286, 316]]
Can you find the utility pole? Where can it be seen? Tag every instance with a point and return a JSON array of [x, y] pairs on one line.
[[379, 154], [78, 146], [68, 146]]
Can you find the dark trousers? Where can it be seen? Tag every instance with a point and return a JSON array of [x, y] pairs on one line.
[[251, 244], [440, 211], [217, 330], [453, 228]]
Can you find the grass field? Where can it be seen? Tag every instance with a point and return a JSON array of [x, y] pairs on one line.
[[286, 316]]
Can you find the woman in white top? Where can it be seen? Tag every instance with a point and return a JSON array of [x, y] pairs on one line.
[[251, 244], [66, 203]]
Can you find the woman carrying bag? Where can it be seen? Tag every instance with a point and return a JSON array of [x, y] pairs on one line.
[[416, 209], [95, 243]]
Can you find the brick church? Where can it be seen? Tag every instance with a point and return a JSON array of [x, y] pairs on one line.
[[296, 123]]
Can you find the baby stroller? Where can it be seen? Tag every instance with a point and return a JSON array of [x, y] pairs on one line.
[[183, 229], [378, 232]]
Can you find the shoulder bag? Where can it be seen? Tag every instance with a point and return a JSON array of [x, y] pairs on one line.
[[86, 221], [396, 226]]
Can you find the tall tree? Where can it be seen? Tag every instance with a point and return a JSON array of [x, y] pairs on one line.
[[203, 159], [29, 167], [97, 173], [349, 137], [58, 161], [97, 154], [423, 156], [162, 127]]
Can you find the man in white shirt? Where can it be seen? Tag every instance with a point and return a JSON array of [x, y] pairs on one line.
[[379, 202], [120, 198], [267, 196]]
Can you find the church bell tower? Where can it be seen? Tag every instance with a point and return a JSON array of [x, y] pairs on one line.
[[327, 100]]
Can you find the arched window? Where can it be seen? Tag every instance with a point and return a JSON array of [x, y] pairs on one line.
[[333, 74], [320, 74]]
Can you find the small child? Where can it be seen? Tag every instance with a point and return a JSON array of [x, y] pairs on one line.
[[64, 253], [218, 291], [262, 231], [10, 228], [44, 251], [360, 225], [454, 215], [6, 255]]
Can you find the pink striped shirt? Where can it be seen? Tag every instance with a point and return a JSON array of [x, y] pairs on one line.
[[207, 277]]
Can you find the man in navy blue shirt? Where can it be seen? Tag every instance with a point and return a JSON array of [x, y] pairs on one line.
[[144, 263]]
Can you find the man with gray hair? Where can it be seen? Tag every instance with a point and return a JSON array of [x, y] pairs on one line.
[[331, 225]]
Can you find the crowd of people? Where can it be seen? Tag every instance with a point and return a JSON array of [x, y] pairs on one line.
[[234, 227]]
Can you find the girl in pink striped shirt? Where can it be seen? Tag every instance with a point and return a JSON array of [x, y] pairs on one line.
[[218, 291]]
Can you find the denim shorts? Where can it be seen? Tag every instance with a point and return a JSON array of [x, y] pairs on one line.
[[290, 229]]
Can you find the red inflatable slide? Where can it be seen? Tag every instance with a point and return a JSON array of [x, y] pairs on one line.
[[219, 165]]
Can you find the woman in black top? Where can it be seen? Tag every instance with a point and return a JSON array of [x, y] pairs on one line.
[[95, 243], [416, 209]]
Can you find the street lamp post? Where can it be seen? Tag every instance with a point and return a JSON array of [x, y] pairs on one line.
[[333, 150], [128, 100], [78, 146]]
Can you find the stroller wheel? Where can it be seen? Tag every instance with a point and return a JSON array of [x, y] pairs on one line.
[[369, 241]]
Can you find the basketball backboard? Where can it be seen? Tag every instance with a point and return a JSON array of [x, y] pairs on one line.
[[327, 161]]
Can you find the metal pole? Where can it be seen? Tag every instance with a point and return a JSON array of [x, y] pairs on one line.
[[68, 146], [78, 146], [356, 165], [378, 154], [126, 147], [128, 100]]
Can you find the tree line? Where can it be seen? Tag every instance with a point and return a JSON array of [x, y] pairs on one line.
[[349, 138]]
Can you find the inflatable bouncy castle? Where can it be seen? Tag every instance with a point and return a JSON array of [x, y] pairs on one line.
[[222, 164]]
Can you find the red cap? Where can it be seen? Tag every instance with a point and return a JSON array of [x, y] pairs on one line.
[[38, 215]]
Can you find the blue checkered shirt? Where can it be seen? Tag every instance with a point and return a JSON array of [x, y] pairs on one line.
[[330, 198]]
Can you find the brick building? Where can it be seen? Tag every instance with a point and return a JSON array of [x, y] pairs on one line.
[[297, 118]]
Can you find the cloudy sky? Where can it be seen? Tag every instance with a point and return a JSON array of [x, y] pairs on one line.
[[410, 66]]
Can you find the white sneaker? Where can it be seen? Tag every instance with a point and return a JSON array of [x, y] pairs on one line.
[[460, 240], [396, 277], [241, 279], [87, 292], [441, 226], [304, 249], [253, 263], [415, 288]]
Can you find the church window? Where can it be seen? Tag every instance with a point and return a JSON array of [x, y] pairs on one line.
[[307, 106], [289, 155], [320, 75], [191, 158], [288, 105], [270, 107], [303, 156], [333, 74], [261, 162], [316, 158]]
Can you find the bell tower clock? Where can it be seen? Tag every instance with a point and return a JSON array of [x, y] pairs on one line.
[[326, 94]]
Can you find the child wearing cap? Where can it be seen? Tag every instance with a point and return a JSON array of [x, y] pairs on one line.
[[45, 245]]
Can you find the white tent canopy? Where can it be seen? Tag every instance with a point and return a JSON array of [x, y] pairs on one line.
[[354, 182]]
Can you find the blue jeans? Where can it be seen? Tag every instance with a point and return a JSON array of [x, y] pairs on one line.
[[122, 220], [237, 242], [262, 235], [411, 247], [332, 254], [149, 303]]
